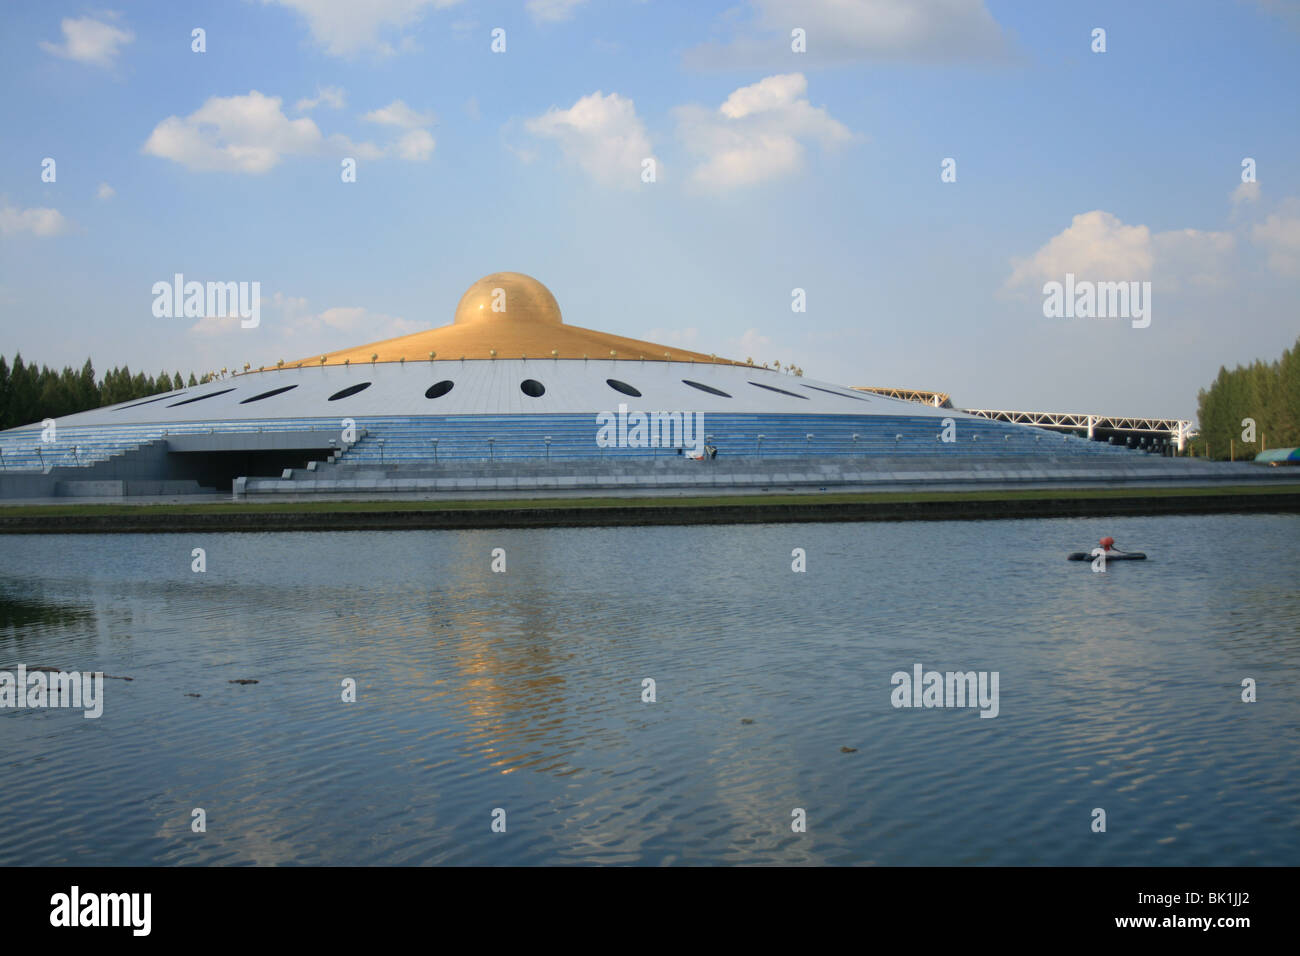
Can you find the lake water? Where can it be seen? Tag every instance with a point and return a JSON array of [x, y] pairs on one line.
[[522, 691]]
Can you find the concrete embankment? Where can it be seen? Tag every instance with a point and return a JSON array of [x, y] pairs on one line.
[[425, 515]]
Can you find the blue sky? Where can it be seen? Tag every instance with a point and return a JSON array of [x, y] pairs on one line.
[[775, 170]]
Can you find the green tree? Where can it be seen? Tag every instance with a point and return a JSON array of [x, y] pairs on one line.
[[1269, 393], [4, 394]]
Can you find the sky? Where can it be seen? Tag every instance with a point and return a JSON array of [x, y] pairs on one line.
[[794, 145]]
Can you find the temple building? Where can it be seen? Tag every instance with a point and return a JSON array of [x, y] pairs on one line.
[[510, 397]]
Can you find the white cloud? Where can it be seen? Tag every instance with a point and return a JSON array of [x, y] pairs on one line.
[[1192, 257], [331, 96], [290, 308], [757, 134], [311, 333], [243, 134], [1245, 193], [90, 41], [847, 31], [291, 323], [105, 191], [415, 146], [40, 221], [343, 146], [250, 134], [397, 113], [1097, 246], [1279, 234], [348, 27], [602, 134], [552, 11]]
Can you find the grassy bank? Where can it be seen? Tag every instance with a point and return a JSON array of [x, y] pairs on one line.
[[345, 507], [561, 512]]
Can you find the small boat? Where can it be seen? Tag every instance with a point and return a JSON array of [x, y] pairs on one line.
[[1110, 556]]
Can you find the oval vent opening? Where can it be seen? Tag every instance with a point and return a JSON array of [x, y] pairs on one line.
[[705, 388], [350, 390], [201, 397], [623, 387], [773, 388], [274, 391]]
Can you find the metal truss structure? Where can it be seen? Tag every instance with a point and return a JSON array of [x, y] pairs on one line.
[[1176, 430], [937, 399]]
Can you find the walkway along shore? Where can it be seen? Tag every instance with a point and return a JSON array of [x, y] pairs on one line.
[[608, 512]]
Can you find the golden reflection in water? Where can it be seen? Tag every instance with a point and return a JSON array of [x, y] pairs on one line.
[[507, 678]]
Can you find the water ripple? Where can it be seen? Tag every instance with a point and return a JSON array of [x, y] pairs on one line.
[[523, 692]]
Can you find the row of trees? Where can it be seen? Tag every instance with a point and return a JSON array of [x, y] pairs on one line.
[[29, 394], [1251, 408]]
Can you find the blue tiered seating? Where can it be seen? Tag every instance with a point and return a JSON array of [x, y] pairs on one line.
[[518, 437], [391, 440]]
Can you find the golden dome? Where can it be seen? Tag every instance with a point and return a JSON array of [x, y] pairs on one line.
[[508, 295], [525, 324]]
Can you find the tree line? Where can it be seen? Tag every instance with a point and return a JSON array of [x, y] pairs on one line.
[[29, 394], [1251, 408]]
